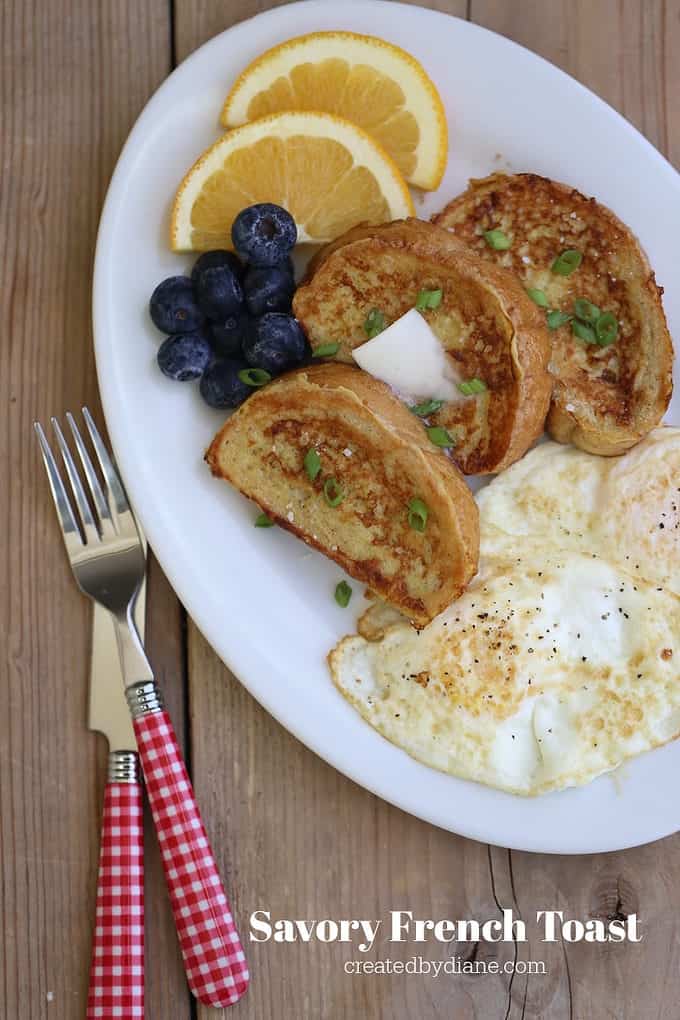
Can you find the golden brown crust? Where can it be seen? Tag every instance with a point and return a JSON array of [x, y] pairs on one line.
[[379, 453], [485, 321], [604, 399]]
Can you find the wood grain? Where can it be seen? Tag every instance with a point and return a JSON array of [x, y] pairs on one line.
[[73, 78], [624, 52], [298, 839], [309, 843], [292, 835]]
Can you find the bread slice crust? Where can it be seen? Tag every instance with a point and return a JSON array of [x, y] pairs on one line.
[[605, 399], [380, 457], [488, 325]]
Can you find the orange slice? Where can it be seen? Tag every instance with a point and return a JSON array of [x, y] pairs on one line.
[[376, 85], [328, 173]]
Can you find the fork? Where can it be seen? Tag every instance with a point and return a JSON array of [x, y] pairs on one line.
[[108, 562]]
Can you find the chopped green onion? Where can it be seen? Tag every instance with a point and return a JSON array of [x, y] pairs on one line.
[[567, 262], [582, 331], [586, 311], [333, 492], [555, 319], [375, 323], [429, 407], [428, 299], [417, 514], [440, 437], [325, 351], [471, 386], [254, 376], [263, 521], [312, 463], [606, 329], [343, 594], [538, 296], [497, 240]]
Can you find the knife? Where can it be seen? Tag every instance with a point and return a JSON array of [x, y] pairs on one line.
[[117, 968]]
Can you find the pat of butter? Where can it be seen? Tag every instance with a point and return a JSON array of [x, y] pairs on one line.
[[408, 357]]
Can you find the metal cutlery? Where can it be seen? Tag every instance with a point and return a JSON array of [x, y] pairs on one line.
[[121, 866], [119, 918], [108, 562]]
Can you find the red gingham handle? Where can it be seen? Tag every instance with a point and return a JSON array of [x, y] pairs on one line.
[[214, 961], [117, 968]]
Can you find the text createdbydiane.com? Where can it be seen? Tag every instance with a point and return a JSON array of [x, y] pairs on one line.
[[401, 926]]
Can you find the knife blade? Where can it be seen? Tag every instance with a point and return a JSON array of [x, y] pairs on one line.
[[108, 712]]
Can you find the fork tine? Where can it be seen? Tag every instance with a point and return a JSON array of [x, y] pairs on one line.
[[91, 475], [89, 525], [114, 485], [67, 520]]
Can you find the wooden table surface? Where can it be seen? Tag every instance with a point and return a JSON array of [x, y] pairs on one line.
[[291, 834]]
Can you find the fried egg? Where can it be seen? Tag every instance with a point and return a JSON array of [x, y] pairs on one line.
[[562, 658], [626, 509]]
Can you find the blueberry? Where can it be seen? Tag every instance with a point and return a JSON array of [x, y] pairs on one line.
[[221, 386], [268, 289], [173, 307], [219, 292], [276, 342], [228, 334], [210, 259], [264, 234], [184, 356]]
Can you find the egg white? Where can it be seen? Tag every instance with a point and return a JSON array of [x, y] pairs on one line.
[[562, 659]]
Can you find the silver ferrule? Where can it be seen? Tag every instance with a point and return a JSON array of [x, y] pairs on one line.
[[124, 767], [143, 698]]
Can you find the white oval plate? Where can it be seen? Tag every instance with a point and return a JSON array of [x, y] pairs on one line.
[[262, 599]]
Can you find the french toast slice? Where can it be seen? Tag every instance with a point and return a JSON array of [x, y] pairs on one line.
[[486, 323], [352, 498], [605, 398]]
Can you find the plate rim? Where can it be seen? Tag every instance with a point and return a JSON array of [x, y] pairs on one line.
[[242, 660]]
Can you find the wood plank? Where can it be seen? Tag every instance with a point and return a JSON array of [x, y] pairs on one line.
[[196, 21], [622, 49], [624, 52], [73, 78], [296, 838]]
